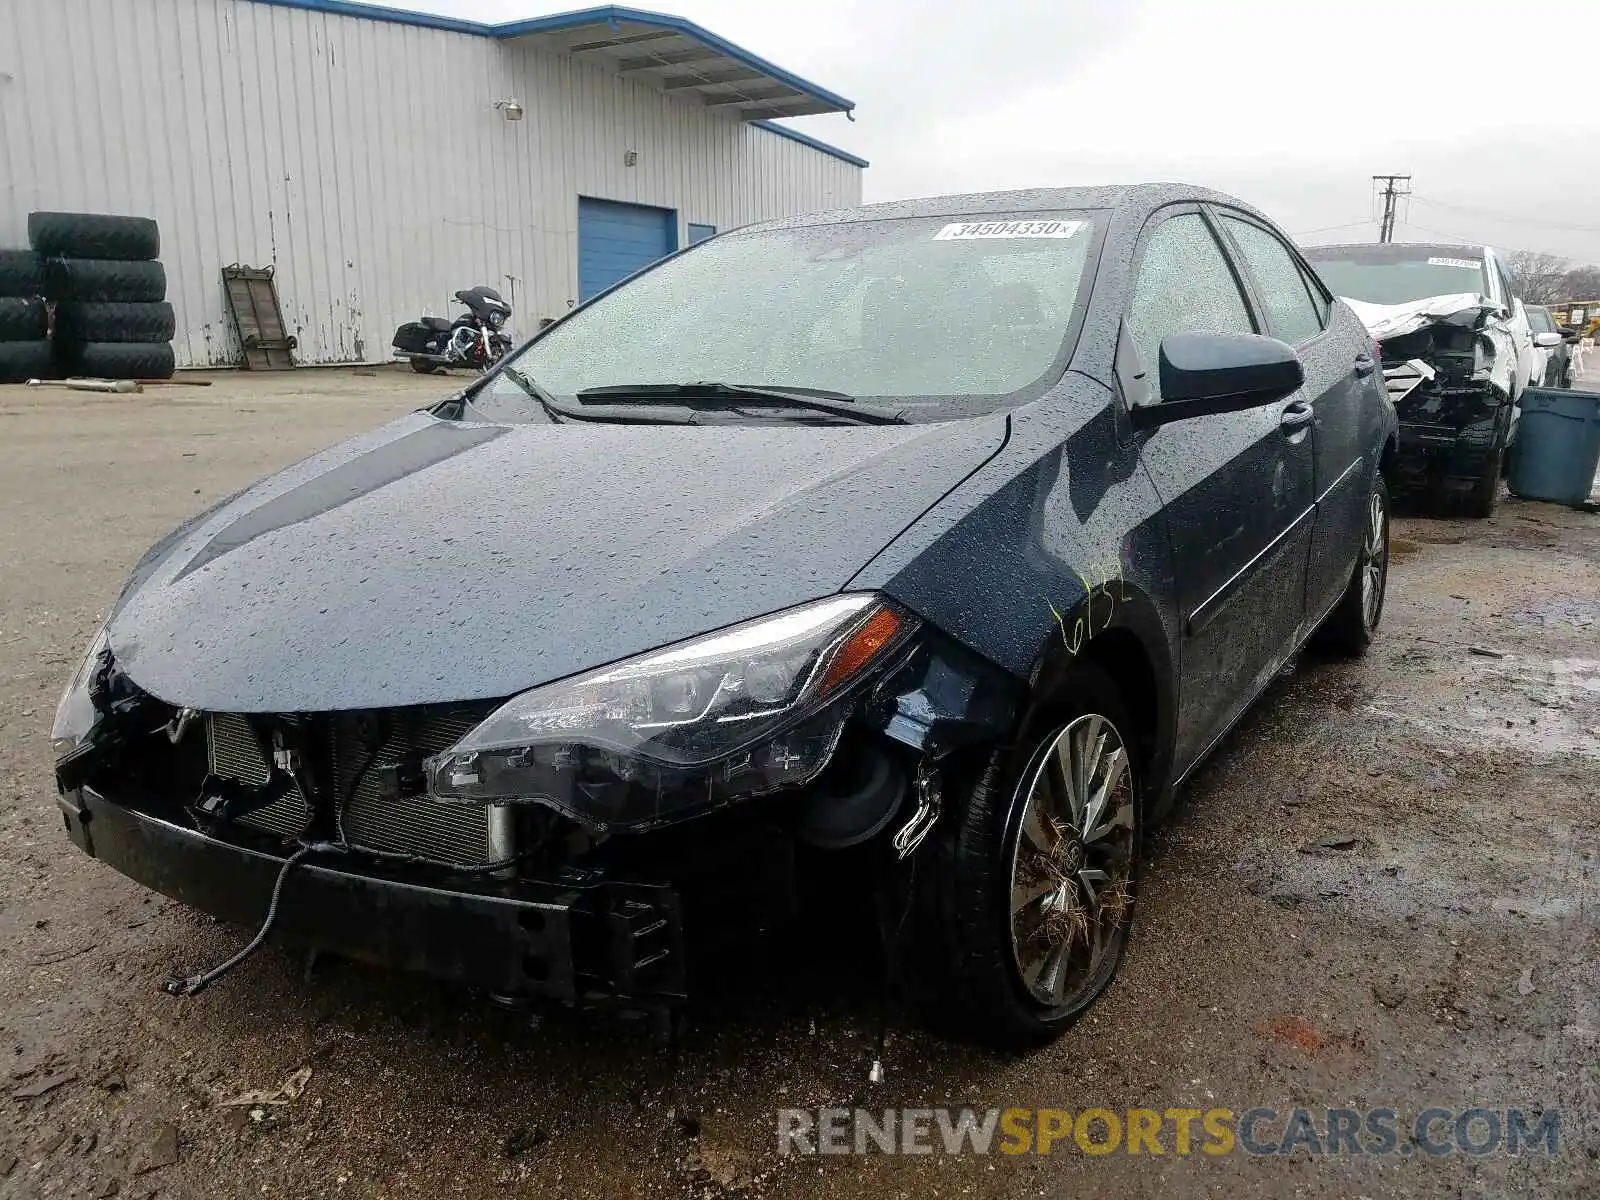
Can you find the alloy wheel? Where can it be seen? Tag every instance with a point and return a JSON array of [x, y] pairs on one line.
[[1072, 863], [1374, 561]]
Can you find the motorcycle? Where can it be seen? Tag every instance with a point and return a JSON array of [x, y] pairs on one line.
[[477, 339]]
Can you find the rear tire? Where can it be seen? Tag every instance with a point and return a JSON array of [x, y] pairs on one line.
[[1003, 894], [94, 235], [423, 367], [1349, 629]]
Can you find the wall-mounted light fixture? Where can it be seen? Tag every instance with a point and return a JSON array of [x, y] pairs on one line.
[[512, 108], [630, 158]]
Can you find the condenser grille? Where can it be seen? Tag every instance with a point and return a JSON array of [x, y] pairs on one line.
[[236, 753], [407, 825]]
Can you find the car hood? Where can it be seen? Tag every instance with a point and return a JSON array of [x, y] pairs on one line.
[[1394, 320], [432, 561]]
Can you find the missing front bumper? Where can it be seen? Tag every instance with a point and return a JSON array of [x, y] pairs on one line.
[[571, 940]]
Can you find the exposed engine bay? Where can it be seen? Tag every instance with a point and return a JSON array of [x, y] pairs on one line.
[[305, 824], [1449, 366]]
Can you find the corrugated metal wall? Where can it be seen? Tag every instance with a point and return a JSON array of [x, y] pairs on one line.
[[363, 159]]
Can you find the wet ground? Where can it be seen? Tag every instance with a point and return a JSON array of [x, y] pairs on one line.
[[1381, 893]]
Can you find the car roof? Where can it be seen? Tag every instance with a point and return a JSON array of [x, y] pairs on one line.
[[1382, 251], [1133, 199]]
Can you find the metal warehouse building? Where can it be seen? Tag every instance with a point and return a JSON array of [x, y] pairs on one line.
[[369, 156]]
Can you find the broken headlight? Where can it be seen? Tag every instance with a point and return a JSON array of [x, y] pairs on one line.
[[746, 710], [75, 712]]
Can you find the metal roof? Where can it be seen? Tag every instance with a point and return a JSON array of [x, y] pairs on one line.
[[679, 56], [666, 51]]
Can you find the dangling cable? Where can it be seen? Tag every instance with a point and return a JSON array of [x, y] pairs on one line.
[[193, 985], [891, 938]]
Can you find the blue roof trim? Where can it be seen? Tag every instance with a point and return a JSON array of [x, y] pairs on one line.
[[615, 12], [569, 20], [377, 12], [794, 135]]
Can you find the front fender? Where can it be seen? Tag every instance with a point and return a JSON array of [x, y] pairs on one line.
[[1056, 549]]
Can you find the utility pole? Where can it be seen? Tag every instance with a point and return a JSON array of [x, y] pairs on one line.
[[1392, 190]]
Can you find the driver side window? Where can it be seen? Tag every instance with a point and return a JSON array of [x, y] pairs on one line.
[[1184, 286]]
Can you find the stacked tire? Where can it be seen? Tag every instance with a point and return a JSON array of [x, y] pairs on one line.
[[112, 319], [24, 322]]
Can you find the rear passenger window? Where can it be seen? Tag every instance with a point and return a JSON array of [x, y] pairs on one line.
[[1291, 315], [1184, 286]]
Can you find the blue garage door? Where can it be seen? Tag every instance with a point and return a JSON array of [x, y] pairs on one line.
[[615, 240]]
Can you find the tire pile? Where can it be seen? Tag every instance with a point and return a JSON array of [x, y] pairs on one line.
[[24, 323], [112, 319]]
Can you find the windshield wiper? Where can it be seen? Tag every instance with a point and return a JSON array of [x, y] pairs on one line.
[[840, 404], [559, 412]]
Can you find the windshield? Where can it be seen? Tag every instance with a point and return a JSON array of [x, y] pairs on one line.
[[1399, 274], [932, 317]]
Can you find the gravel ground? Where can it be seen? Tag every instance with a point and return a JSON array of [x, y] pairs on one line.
[[1382, 892]]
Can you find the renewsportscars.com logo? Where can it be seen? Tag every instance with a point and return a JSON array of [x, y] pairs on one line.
[[1433, 1132]]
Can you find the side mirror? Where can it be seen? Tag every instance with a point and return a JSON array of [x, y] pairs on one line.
[[1546, 341], [1207, 373]]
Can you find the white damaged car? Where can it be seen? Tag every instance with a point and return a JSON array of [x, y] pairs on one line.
[[1457, 354]]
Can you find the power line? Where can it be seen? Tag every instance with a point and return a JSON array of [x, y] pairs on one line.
[[1473, 241], [1489, 216], [1391, 192], [1331, 228]]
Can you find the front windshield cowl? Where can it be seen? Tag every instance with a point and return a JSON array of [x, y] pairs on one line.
[[928, 318]]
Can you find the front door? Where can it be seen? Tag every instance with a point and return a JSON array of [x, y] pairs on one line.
[[1237, 488], [1338, 364]]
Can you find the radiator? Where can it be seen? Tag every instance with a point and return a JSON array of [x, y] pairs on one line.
[[408, 825]]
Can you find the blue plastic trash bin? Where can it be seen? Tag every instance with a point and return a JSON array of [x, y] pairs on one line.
[[1558, 446]]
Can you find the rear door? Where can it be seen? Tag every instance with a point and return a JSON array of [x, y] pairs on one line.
[[1237, 486], [1338, 367]]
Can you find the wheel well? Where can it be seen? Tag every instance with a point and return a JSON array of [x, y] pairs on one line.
[[1120, 654], [1387, 459]]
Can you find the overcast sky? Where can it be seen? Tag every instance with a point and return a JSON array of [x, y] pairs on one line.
[[1290, 111]]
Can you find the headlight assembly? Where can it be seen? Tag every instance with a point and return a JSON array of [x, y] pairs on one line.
[[746, 710], [75, 713]]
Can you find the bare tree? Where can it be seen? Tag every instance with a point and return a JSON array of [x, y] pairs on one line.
[[1536, 277], [1581, 283]]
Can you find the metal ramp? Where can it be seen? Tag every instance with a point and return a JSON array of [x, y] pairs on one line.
[[253, 301]]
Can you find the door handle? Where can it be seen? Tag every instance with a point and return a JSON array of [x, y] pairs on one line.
[[1295, 416], [1365, 364]]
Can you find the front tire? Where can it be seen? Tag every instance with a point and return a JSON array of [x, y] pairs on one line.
[[1025, 908], [1484, 496], [1353, 623]]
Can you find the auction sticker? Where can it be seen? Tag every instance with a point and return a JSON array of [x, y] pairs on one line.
[[1454, 262], [980, 230]]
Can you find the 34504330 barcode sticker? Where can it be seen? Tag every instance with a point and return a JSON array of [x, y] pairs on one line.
[[966, 231], [1454, 262]]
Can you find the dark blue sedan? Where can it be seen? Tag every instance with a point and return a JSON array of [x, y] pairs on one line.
[[932, 544]]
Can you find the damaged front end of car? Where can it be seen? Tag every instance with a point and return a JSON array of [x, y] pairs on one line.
[[1448, 366], [559, 845]]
